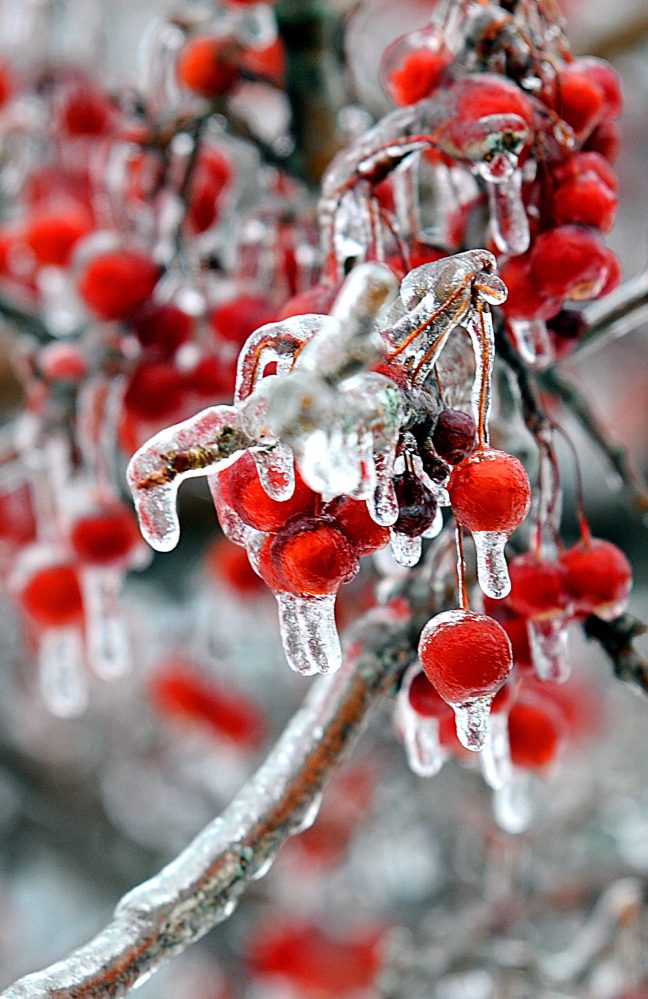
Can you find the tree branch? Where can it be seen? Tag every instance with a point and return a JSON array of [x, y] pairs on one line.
[[615, 638], [202, 886], [612, 317]]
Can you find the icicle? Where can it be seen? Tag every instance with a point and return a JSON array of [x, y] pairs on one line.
[[549, 651], [109, 654], [309, 633], [492, 570], [509, 225], [62, 678], [532, 341], [473, 722], [425, 754], [383, 505], [309, 817], [512, 803], [496, 757], [276, 470], [436, 526], [406, 550]]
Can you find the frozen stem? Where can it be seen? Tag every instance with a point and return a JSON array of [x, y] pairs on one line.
[[202, 886], [176, 463], [616, 638]]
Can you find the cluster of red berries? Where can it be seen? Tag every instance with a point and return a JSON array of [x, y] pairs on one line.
[[569, 189]]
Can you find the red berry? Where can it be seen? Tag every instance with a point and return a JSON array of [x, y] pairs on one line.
[[164, 327], [212, 377], [565, 330], [53, 596], [586, 200], [607, 80], [480, 96], [63, 362], [52, 234], [6, 83], [417, 505], [270, 574], [538, 587], [205, 65], [416, 74], [613, 279], [525, 300], [515, 627], [598, 576], [570, 262], [425, 700], [454, 435], [465, 655], [85, 110], [155, 390], [179, 690], [228, 563], [580, 100], [237, 319], [317, 966], [357, 524], [490, 491], [605, 140], [534, 732], [585, 163], [212, 175], [116, 284], [243, 492], [105, 537], [313, 557]]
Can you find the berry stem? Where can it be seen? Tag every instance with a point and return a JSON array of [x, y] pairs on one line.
[[461, 569]]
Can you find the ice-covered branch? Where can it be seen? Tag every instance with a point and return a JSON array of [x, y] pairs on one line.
[[614, 316], [202, 886]]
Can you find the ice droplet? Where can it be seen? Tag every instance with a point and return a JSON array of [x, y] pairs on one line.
[[106, 633], [383, 505], [309, 634], [425, 754], [492, 570], [436, 526], [406, 550], [549, 649], [497, 768], [263, 868], [509, 225], [62, 677], [276, 470], [309, 817], [473, 722], [512, 803], [532, 342]]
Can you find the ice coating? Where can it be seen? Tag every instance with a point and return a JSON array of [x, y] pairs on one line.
[[473, 722], [309, 633], [108, 645], [512, 803], [509, 225], [406, 550], [532, 341], [63, 682], [492, 569], [549, 649], [425, 754], [155, 472], [495, 759]]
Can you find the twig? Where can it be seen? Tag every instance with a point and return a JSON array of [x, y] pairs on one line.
[[612, 317], [615, 638], [202, 886], [616, 454], [23, 318]]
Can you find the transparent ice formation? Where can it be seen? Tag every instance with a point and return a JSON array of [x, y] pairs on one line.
[[406, 550], [509, 225], [423, 748], [532, 341], [548, 641], [63, 682], [495, 759], [513, 803], [473, 722], [107, 639], [492, 570], [309, 633]]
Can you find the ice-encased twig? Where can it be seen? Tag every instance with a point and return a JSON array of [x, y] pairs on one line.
[[202, 886]]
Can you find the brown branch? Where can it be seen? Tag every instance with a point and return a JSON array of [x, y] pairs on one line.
[[202, 886], [177, 463], [616, 638]]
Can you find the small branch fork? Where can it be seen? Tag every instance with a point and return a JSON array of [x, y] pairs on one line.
[[203, 885]]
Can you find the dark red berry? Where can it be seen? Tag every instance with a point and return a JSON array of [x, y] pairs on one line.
[[417, 505], [355, 521], [53, 596], [313, 557], [454, 435], [425, 700], [106, 536]]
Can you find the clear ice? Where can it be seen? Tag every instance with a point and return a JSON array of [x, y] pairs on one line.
[[473, 722], [495, 759], [63, 682], [532, 342], [108, 645], [548, 641], [492, 570]]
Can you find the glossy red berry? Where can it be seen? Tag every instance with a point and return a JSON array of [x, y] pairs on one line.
[[155, 390], [229, 564], [243, 492], [106, 536], [116, 284], [565, 330], [570, 261], [52, 596], [607, 80], [52, 234], [85, 110], [465, 655], [490, 491], [205, 65], [454, 436], [355, 521], [580, 100], [415, 74], [605, 139], [417, 505], [313, 557], [425, 700], [534, 732], [212, 176], [598, 576], [586, 200], [162, 327], [538, 587], [235, 320], [179, 690], [526, 299]]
